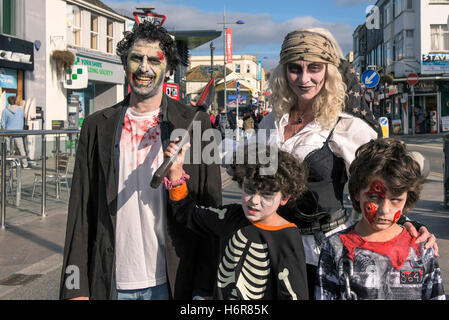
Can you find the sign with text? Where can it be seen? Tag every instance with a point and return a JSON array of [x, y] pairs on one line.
[[228, 45], [172, 90], [435, 63]]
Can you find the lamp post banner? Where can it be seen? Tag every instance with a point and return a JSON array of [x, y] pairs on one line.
[[228, 45]]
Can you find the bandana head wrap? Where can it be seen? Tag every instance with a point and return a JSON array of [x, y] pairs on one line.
[[309, 46]]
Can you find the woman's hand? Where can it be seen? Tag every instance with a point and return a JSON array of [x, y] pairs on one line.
[[175, 171], [424, 236]]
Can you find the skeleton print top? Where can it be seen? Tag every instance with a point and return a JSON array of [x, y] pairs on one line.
[[257, 262], [397, 269]]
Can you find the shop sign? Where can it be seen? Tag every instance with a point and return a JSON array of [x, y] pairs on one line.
[[171, 90], [8, 78], [423, 86], [435, 63], [16, 53], [101, 70]]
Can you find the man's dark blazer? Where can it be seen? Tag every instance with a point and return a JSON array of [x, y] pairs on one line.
[[90, 235]]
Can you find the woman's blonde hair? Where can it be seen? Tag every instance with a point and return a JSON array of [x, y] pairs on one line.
[[328, 103]]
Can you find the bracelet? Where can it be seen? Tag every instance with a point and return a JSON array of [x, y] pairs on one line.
[[176, 183]]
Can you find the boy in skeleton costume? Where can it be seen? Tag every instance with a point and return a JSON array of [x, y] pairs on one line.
[[261, 254], [377, 258]]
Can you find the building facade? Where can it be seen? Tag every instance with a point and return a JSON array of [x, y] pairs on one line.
[[245, 69], [409, 36]]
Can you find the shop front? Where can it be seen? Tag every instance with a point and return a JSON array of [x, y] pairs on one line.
[[16, 57], [104, 86]]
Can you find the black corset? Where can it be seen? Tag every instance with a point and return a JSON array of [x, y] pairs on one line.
[[323, 200]]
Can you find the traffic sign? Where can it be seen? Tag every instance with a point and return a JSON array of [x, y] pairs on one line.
[[370, 78], [412, 79], [237, 86], [369, 95]]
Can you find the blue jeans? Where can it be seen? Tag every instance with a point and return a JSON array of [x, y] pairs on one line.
[[159, 292]]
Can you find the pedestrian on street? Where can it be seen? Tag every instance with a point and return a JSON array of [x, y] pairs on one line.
[[13, 118], [377, 258], [261, 253], [315, 122], [121, 243]]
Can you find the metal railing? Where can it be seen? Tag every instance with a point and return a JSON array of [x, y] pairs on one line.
[[21, 133]]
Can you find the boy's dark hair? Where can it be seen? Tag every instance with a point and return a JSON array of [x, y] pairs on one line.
[[389, 159], [12, 100], [151, 32], [290, 177]]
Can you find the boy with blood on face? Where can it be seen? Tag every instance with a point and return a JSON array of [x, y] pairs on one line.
[[377, 258], [261, 254]]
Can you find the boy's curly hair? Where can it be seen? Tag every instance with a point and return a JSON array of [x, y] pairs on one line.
[[150, 32], [389, 159], [290, 177]]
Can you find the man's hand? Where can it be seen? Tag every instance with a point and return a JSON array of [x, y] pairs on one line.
[[175, 171], [424, 236]]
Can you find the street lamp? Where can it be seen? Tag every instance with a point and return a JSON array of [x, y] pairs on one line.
[[224, 51]]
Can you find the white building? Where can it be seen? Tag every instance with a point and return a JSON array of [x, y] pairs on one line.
[[88, 29], [414, 38], [245, 68]]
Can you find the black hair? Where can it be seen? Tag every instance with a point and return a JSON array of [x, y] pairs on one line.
[[289, 178], [151, 32]]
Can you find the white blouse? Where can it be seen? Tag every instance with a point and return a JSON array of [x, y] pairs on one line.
[[349, 134]]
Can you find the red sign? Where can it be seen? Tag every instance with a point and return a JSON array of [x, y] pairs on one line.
[[412, 79], [228, 45], [369, 95], [172, 90]]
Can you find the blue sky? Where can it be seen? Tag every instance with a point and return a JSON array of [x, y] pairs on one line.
[[266, 22]]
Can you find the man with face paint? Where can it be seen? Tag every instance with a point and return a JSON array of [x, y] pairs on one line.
[[261, 254], [119, 236], [384, 260]]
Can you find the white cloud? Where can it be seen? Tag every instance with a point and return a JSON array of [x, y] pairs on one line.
[[260, 35]]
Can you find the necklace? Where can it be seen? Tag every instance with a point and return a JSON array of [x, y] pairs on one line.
[[300, 117]]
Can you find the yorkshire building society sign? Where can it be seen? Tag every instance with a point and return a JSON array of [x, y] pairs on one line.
[[101, 70], [76, 77], [433, 63]]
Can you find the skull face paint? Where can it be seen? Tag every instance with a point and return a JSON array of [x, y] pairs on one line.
[[259, 206], [379, 206], [146, 68]]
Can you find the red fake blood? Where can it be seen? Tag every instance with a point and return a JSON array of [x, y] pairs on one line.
[[160, 55], [370, 211], [378, 188], [397, 215]]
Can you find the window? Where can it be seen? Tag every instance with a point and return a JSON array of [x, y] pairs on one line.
[[110, 37], [8, 17], [409, 44], [439, 37], [248, 69], [355, 45], [94, 32], [237, 68], [409, 4], [388, 53], [379, 55], [398, 5], [387, 13], [399, 45], [74, 24]]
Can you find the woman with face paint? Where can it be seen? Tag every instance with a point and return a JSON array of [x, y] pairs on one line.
[[261, 254], [318, 117], [383, 261]]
